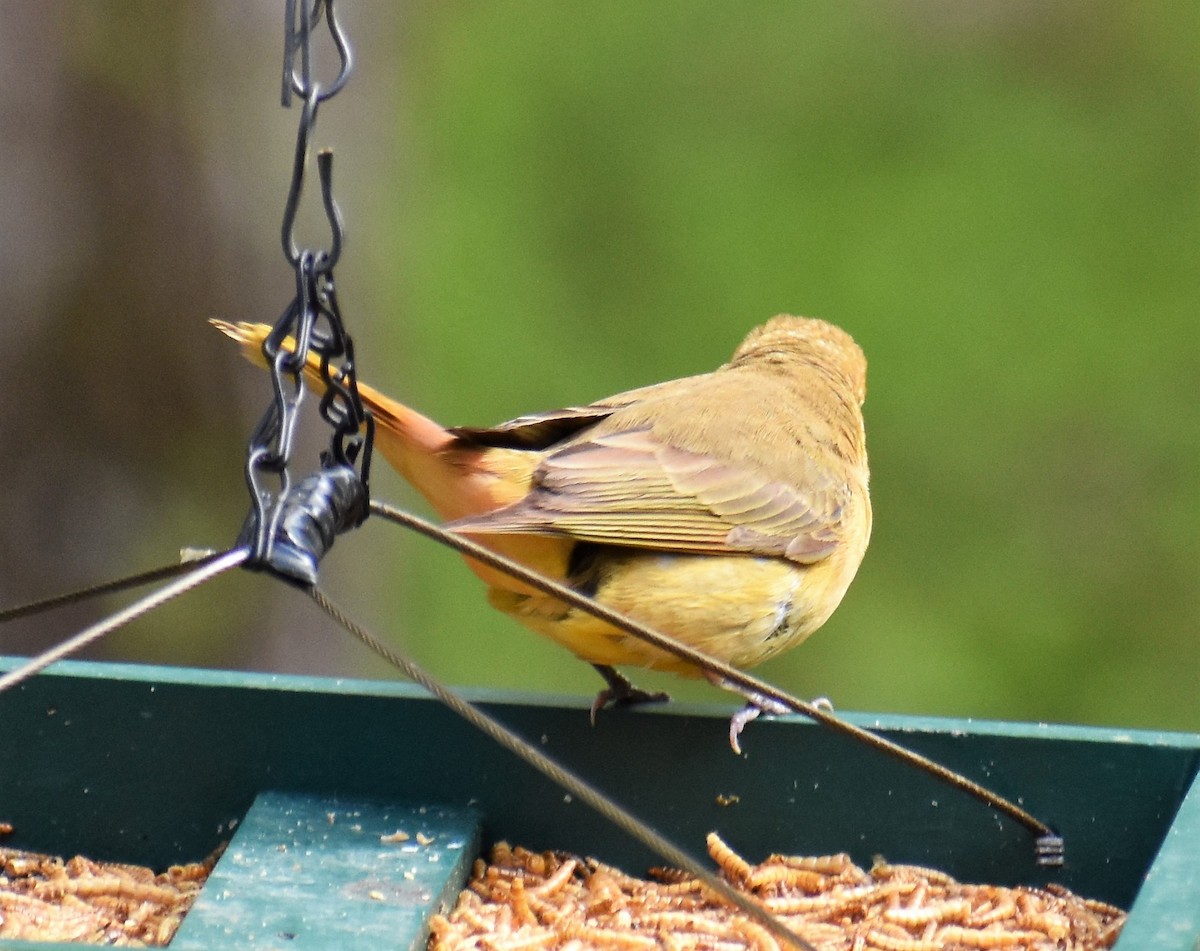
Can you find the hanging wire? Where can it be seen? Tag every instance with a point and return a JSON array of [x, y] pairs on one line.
[[1049, 846], [297, 30], [290, 528], [563, 777], [107, 587], [208, 568]]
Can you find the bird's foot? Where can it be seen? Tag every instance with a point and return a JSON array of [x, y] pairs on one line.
[[621, 692], [757, 706]]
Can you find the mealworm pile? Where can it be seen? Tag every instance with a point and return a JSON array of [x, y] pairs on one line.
[[527, 901], [43, 898]]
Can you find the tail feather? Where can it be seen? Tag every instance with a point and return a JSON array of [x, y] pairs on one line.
[[456, 477], [250, 338], [405, 434]]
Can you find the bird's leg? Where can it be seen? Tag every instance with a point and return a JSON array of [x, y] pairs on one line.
[[621, 692], [756, 706]]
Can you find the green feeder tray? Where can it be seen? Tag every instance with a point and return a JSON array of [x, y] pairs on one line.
[[302, 776]]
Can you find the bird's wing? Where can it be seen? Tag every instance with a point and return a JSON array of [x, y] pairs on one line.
[[629, 488], [543, 430]]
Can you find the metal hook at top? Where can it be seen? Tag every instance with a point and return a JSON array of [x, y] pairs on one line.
[[337, 228], [333, 214], [297, 36]]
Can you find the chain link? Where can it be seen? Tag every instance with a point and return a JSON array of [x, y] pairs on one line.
[[290, 527]]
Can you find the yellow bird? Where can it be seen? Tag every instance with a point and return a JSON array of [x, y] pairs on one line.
[[729, 510]]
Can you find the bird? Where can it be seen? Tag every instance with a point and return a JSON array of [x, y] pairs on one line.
[[729, 510]]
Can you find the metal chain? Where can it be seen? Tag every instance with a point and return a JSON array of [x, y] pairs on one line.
[[290, 527]]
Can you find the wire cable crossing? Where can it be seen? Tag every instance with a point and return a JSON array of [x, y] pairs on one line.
[[107, 587], [560, 775], [200, 572]]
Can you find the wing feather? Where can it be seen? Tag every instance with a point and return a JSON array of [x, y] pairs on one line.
[[629, 488]]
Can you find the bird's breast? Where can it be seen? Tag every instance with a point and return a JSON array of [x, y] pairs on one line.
[[740, 609]]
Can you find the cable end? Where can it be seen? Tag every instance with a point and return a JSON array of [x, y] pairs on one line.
[[1050, 851]]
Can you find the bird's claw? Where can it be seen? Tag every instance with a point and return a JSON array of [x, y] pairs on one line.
[[620, 692], [759, 705], [751, 711], [610, 698]]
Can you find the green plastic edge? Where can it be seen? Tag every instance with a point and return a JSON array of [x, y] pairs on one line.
[[149, 673], [1165, 915]]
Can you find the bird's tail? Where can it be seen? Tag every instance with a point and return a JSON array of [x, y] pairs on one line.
[[456, 477], [251, 336], [403, 434]]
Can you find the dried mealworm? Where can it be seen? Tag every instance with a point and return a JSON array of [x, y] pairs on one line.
[[754, 934], [890, 941], [557, 880], [526, 939], [1049, 923], [520, 906], [680, 922], [610, 938], [1006, 908], [954, 909], [782, 876], [884, 870], [991, 937], [660, 873], [736, 868]]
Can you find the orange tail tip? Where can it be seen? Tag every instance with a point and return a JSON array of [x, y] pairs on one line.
[[249, 336], [409, 441], [456, 483]]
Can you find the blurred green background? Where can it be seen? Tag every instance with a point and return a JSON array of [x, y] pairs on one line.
[[549, 203]]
